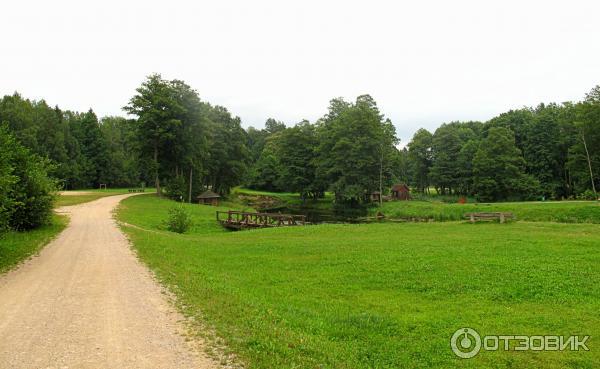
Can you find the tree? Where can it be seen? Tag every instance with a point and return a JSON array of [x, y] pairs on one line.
[[27, 191], [266, 172], [584, 154], [123, 168], [296, 151], [157, 108], [499, 169], [445, 150], [228, 152], [352, 140], [541, 149], [420, 158]]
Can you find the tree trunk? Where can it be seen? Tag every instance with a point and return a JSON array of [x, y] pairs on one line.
[[381, 180], [156, 180], [589, 163], [190, 189]]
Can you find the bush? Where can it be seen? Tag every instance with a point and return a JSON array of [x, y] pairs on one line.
[[26, 190], [176, 188], [179, 220], [587, 195]]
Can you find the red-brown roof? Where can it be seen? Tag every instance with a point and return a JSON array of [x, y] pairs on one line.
[[400, 187]]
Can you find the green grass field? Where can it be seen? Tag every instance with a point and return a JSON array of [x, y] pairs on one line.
[[17, 246], [90, 195], [386, 295], [551, 211]]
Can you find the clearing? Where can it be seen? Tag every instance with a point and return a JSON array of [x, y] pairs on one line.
[[380, 295]]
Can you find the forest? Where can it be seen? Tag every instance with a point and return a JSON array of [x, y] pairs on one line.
[[174, 141]]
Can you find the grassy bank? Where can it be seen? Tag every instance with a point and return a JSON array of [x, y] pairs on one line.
[[150, 212], [17, 246], [548, 211], [283, 199], [81, 196], [378, 295]]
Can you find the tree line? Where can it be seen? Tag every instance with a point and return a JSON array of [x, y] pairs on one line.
[[176, 141], [183, 145], [551, 151], [350, 151]]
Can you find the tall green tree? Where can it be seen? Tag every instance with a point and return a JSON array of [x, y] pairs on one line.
[[499, 169], [158, 111], [296, 151], [355, 144], [445, 151], [229, 155], [420, 158]]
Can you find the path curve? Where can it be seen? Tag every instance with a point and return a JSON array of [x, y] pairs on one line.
[[87, 302]]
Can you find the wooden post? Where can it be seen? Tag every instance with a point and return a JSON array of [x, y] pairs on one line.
[[501, 217], [472, 218]]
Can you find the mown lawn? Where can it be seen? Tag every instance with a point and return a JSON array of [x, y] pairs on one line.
[[551, 211], [81, 196], [378, 295], [17, 246]]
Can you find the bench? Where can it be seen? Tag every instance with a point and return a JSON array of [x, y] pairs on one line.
[[137, 190], [489, 216]]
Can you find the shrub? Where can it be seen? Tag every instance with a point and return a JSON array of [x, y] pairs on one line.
[[179, 220], [26, 190], [176, 188], [587, 195]]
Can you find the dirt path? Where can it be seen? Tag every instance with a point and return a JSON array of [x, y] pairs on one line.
[[87, 302], [75, 193]]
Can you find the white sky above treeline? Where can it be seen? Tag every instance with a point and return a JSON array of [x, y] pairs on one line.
[[425, 62]]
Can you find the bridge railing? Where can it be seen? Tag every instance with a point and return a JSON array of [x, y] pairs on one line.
[[243, 219]]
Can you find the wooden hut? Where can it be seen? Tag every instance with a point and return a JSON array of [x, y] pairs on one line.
[[375, 196], [400, 192], [209, 198]]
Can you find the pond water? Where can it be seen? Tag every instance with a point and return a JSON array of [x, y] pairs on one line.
[[321, 215]]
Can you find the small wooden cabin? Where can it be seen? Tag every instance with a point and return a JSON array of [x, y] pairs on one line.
[[400, 192], [209, 198], [375, 196]]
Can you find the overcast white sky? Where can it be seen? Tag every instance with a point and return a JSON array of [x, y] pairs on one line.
[[425, 62]]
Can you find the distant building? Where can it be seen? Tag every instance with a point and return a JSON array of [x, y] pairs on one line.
[[400, 192], [209, 198], [375, 196]]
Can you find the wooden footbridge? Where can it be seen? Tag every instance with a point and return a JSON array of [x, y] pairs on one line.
[[242, 220]]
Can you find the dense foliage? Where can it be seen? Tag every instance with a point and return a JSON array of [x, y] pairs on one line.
[[350, 151], [26, 190], [551, 151], [177, 140]]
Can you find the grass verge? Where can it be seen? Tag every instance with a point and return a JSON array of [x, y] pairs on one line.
[[82, 196], [548, 211], [17, 246], [378, 295]]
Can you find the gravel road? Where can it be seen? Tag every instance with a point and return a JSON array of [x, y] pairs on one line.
[[87, 302]]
